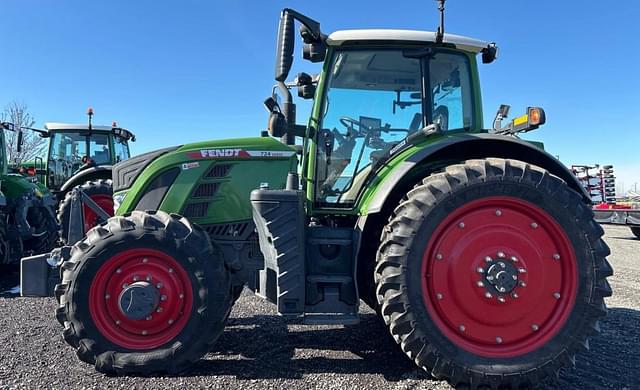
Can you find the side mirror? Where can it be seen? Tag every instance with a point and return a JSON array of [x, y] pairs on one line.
[[7, 126], [306, 88], [20, 141], [314, 49], [277, 124], [489, 53]]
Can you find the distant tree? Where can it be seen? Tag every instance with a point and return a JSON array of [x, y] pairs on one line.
[[33, 145]]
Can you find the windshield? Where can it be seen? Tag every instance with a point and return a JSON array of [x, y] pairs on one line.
[[72, 151], [373, 101]]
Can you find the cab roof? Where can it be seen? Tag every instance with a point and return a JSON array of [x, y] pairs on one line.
[[461, 42], [73, 126], [121, 132]]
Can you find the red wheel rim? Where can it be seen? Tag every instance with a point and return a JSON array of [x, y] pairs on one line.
[[167, 320], [467, 291], [90, 218]]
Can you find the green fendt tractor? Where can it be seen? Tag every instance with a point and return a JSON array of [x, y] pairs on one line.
[[28, 224], [478, 250], [80, 155]]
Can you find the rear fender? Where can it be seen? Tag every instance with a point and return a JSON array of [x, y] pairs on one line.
[[465, 147]]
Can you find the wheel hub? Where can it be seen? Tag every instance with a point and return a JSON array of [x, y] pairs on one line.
[[501, 275], [139, 300]]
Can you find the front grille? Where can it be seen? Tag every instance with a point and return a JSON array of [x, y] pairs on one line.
[[206, 190], [218, 171], [228, 230], [196, 210]]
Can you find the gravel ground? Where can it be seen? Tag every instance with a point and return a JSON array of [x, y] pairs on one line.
[[261, 350]]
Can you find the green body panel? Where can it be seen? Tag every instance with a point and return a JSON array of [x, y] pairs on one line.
[[231, 200], [15, 185]]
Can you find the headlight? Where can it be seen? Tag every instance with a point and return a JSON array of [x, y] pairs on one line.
[[117, 200]]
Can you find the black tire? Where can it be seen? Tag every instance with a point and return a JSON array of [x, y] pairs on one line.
[[174, 236], [45, 228], [90, 188], [5, 248], [636, 231], [406, 237]]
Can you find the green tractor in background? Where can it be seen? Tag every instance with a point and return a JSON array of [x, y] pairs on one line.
[[80, 155], [27, 212], [478, 250]]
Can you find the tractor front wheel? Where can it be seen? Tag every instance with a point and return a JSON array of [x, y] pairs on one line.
[[143, 294], [45, 233], [636, 231], [100, 191], [492, 274]]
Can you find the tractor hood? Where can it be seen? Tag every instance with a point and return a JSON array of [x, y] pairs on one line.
[[126, 172], [15, 186]]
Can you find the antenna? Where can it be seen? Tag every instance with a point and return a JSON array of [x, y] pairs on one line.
[[440, 31], [90, 114]]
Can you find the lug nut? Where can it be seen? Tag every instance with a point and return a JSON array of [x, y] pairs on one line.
[[149, 318], [124, 285], [556, 256], [480, 270], [522, 270], [136, 278], [148, 278], [170, 322], [501, 255], [170, 270], [144, 332], [439, 256], [534, 327], [461, 225], [117, 322], [462, 328], [523, 284], [556, 295], [499, 340], [501, 299], [514, 259], [488, 295], [480, 283], [514, 295], [159, 310], [107, 296], [439, 296], [159, 285], [534, 225], [514, 277], [181, 296], [502, 265], [163, 297], [118, 271], [498, 213], [145, 260]]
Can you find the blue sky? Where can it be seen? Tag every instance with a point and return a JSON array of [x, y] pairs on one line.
[[176, 72]]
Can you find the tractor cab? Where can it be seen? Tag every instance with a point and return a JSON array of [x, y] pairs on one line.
[[75, 148]]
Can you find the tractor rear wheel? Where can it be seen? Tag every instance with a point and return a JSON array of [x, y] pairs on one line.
[[100, 191], [492, 274], [636, 231], [143, 294], [45, 233]]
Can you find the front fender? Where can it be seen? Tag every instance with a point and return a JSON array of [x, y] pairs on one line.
[[92, 173], [458, 148]]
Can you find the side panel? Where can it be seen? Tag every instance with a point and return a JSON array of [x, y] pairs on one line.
[[215, 178]]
